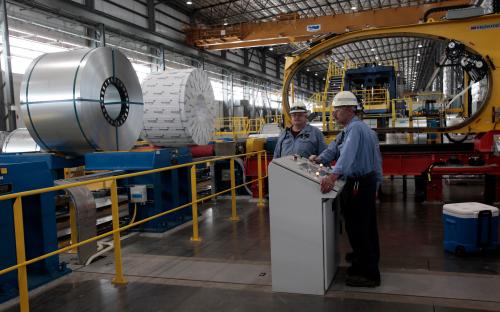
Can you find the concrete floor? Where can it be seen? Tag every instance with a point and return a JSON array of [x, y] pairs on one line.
[[230, 269]]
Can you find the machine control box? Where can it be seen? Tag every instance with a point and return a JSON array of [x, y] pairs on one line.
[[138, 194], [304, 167], [304, 226]]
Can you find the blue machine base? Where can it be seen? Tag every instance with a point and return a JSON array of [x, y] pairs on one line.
[[165, 190], [10, 291], [23, 172], [56, 164]]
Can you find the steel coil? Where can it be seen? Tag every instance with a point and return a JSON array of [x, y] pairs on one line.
[[82, 101], [19, 141]]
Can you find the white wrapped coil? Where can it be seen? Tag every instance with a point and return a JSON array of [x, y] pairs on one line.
[[179, 108]]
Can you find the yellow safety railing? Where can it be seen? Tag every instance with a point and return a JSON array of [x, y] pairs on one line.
[[255, 125], [406, 111], [243, 126], [374, 98], [277, 119], [234, 126], [316, 98], [119, 278]]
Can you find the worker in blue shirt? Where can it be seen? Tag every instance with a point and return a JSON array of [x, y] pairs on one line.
[[358, 161], [301, 138]]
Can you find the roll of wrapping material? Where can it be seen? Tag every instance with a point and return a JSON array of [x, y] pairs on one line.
[[202, 150], [20, 141], [179, 108], [81, 101]]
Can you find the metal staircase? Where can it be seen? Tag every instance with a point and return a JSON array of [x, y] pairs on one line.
[[334, 83]]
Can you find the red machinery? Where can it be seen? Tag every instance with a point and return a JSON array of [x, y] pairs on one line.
[[251, 166], [429, 163]]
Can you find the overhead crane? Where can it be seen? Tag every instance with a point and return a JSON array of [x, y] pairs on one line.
[[290, 28]]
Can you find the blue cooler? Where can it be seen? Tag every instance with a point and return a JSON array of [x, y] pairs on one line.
[[470, 227]]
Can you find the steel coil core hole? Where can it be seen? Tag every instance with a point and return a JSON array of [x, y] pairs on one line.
[[114, 101]]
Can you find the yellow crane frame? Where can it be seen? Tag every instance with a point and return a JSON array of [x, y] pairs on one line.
[[477, 34]]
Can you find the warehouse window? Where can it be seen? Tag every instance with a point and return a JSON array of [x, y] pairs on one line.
[[24, 51]]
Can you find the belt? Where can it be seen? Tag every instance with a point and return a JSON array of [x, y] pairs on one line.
[[361, 177]]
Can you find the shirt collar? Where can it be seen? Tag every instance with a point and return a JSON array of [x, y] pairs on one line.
[[305, 129], [349, 125]]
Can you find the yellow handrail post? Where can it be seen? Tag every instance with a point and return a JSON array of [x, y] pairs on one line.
[[465, 102], [387, 98], [119, 279], [260, 204], [393, 108], [194, 205], [22, 273], [410, 118], [265, 163], [234, 213], [323, 114]]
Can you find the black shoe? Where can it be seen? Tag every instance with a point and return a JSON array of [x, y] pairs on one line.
[[349, 257], [362, 281], [353, 270]]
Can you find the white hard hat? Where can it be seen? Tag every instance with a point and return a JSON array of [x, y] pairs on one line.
[[345, 98], [298, 107]]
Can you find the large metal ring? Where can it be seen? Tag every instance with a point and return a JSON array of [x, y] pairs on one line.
[[124, 101]]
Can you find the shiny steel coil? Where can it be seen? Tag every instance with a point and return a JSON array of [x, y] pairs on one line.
[[19, 141], [81, 101], [179, 107], [3, 136]]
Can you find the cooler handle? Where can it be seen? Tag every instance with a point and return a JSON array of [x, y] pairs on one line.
[[484, 216]]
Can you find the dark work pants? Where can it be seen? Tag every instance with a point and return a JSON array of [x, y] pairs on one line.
[[359, 208]]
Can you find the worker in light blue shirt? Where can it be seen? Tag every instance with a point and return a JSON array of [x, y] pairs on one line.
[[358, 161], [301, 138]]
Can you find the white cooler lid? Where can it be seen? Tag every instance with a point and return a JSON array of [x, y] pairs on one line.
[[468, 210]]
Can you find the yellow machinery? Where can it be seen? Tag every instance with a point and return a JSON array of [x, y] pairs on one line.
[[373, 100], [255, 144], [474, 35]]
